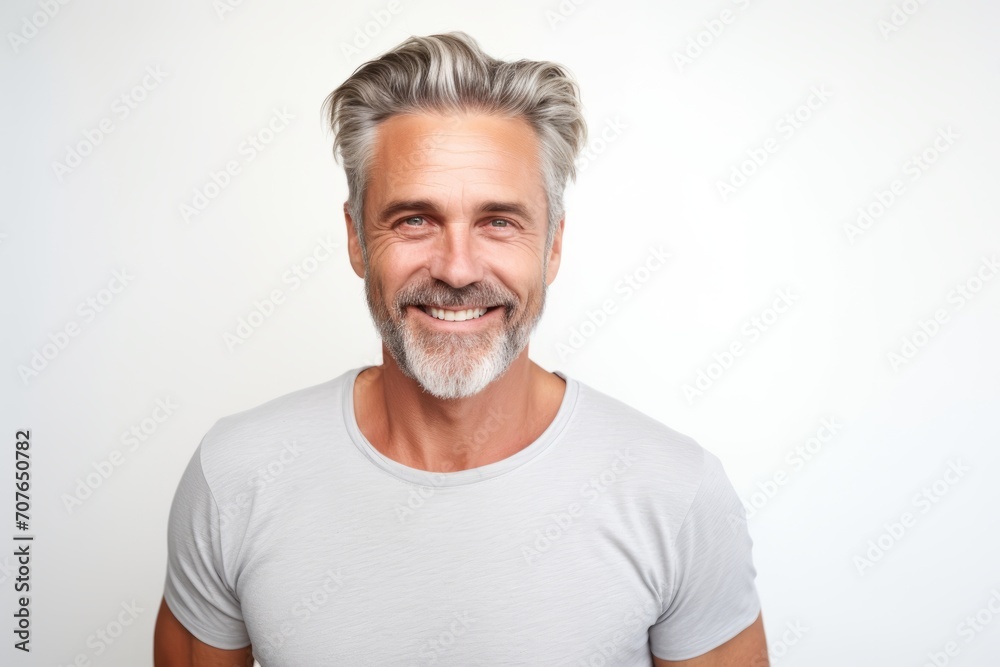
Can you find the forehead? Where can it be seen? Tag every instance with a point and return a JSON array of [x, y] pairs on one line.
[[445, 154]]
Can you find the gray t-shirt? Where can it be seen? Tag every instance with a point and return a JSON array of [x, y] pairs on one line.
[[608, 537]]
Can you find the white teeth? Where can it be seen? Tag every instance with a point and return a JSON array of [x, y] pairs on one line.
[[456, 315]]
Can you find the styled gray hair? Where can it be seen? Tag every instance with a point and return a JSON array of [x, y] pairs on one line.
[[451, 73]]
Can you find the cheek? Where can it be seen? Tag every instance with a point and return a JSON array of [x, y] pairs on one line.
[[527, 287], [395, 258]]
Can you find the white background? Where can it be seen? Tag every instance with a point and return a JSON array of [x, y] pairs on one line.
[[679, 129]]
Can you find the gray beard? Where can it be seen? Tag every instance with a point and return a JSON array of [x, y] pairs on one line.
[[451, 365]]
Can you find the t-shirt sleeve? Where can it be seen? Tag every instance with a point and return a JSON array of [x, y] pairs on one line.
[[713, 596], [197, 589]]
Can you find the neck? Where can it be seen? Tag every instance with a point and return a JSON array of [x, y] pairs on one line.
[[427, 433]]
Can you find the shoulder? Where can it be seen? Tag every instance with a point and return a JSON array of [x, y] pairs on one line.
[[668, 468], [609, 418], [287, 425]]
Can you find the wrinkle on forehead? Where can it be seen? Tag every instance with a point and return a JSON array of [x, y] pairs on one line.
[[443, 152], [491, 145]]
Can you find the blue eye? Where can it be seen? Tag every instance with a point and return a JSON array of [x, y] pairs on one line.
[[406, 221]]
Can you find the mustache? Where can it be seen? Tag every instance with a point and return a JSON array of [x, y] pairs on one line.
[[485, 295]]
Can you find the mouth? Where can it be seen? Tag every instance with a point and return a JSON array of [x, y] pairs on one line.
[[458, 315]]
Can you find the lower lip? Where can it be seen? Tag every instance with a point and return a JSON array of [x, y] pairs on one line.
[[487, 318]]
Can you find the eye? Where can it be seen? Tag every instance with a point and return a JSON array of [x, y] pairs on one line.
[[506, 223], [407, 221]]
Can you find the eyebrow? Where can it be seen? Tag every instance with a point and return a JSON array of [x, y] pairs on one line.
[[401, 205]]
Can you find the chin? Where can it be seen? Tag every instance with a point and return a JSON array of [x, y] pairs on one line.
[[443, 377]]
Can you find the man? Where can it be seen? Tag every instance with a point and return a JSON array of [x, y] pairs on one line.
[[457, 505]]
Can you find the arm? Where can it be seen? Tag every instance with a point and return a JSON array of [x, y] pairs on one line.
[[747, 649], [175, 646], [197, 593], [712, 616]]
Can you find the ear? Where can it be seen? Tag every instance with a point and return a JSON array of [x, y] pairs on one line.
[[353, 245], [555, 254]]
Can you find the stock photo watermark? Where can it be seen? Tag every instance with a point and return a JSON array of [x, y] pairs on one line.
[[609, 134], [248, 150], [924, 501], [363, 35], [606, 649], [898, 17], [6, 569], [121, 108], [786, 127], [561, 12], [791, 634], [884, 198], [628, 285], [472, 445], [968, 629], [262, 477], [796, 459], [133, 438], [560, 522], [434, 647], [751, 331], [712, 29], [305, 608], [294, 277], [224, 7], [32, 24], [927, 328], [105, 636], [88, 310]]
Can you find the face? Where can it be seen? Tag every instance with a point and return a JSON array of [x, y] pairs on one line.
[[455, 227]]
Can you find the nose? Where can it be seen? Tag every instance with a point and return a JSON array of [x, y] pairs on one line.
[[457, 257]]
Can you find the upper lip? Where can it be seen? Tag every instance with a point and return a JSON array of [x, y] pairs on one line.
[[455, 308]]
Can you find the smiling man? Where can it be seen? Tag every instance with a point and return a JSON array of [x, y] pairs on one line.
[[457, 504]]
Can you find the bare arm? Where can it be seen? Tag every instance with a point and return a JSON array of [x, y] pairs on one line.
[[747, 649], [175, 646]]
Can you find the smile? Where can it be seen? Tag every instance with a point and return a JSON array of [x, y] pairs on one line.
[[463, 315]]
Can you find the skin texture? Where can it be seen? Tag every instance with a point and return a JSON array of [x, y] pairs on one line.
[[456, 165], [747, 649], [174, 646]]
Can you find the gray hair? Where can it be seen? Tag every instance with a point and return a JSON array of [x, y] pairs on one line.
[[451, 73]]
